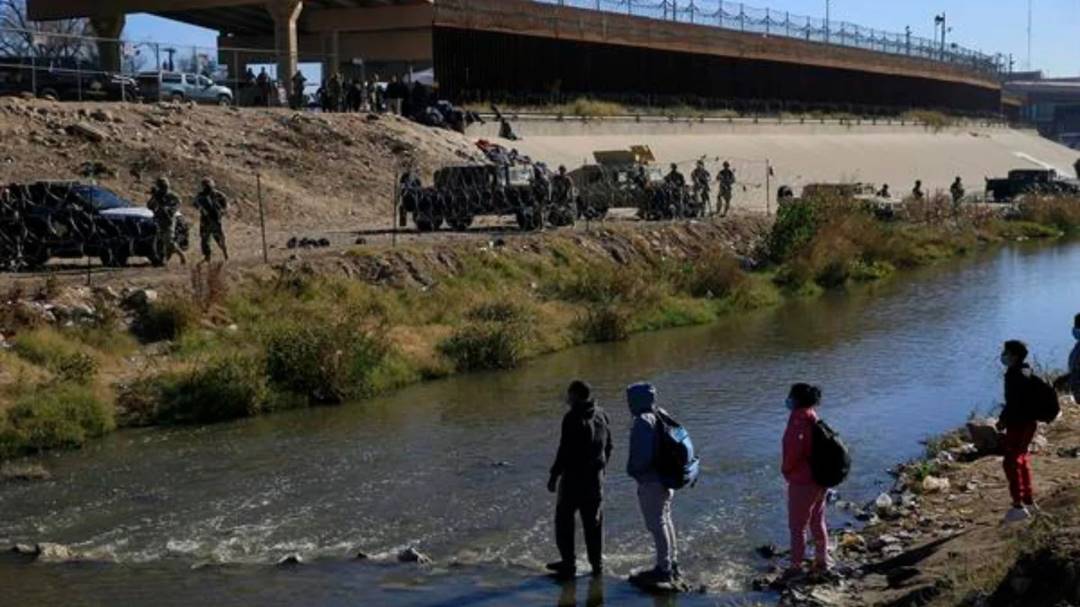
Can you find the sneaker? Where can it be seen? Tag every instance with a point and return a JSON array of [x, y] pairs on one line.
[[1017, 515], [653, 577], [562, 568]]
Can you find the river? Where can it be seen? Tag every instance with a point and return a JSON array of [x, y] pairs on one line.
[[457, 468]]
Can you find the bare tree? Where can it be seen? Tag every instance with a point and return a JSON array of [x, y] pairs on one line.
[[21, 37]]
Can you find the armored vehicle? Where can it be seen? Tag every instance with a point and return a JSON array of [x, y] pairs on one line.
[[1021, 182]]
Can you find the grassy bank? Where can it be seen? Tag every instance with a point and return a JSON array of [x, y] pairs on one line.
[[369, 321]]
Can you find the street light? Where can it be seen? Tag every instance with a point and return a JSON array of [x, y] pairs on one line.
[[828, 10]]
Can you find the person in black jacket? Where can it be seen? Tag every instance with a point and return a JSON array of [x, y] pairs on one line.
[[1018, 422], [578, 477]]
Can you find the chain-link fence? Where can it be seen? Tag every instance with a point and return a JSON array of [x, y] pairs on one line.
[[71, 67], [738, 16]]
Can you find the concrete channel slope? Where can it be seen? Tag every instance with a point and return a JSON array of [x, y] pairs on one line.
[[803, 153]]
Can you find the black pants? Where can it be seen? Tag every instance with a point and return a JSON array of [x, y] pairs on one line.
[[588, 502]]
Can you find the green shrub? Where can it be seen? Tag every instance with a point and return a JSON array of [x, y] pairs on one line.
[[712, 277], [603, 323], [165, 320], [485, 345], [328, 363], [54, 416], [499, 311], [223, 389], [609, 283], [1062, 213], [795, 226], [54, 351]]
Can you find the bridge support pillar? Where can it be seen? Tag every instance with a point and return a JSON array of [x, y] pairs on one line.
[[108, 30], [285, 14]]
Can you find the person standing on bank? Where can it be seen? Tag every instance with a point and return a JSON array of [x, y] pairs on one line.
[[577, 476], [1019, 422], [654, 497], [806, 498]]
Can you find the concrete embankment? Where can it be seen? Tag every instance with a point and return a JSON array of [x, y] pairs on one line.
[[801, 153]]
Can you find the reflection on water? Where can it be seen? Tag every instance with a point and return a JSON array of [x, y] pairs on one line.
[[458, 467]]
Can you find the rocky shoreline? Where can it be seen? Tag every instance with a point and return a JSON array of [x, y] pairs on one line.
[[937, 537]]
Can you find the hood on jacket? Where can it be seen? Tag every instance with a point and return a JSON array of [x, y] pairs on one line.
[[641, 398]]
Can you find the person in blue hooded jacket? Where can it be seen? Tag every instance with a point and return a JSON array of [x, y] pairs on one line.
[[654, 498]]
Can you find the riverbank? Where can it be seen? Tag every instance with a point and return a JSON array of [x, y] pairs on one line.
[[937, 539], [78, 362]]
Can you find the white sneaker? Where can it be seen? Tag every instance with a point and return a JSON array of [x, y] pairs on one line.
[[1017, 515]]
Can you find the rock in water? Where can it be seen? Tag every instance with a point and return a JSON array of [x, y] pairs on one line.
[[291, 560], [54, 553], [412, 555]]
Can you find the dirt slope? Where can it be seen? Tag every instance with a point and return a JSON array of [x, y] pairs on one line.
[[317, 170]]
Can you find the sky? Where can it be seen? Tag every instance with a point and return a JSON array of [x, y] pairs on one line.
[[992, 26]]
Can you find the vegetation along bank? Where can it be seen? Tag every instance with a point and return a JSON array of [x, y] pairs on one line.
[[77, 362]]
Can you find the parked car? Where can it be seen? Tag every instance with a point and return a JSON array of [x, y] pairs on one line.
[[70, 220], [65, 80], [178, 86]]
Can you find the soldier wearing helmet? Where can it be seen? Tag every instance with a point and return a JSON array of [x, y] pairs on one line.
[[701, 178], [726, 178], [165, 205], [212, 205]]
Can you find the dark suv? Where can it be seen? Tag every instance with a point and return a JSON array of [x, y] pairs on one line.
[[65, 80], [71, 220]]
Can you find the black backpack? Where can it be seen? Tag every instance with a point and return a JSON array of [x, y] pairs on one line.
[[676, 463], [1044, 399], [830, 461]]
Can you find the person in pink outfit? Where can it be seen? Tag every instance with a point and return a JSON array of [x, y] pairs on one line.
[[806, 498]]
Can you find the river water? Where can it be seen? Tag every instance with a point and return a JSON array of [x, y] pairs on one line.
[[457, 468]]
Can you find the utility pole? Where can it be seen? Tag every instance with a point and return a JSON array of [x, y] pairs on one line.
[[1029, 36], [941, 21], [828, 11]]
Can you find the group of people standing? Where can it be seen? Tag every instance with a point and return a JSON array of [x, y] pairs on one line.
[[585, 448], [701, 181], [339, 94]]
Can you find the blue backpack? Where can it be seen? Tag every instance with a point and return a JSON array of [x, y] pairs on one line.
[[676, 463]]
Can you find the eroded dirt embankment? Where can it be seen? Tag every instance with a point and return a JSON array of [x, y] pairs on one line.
[[938, 537]]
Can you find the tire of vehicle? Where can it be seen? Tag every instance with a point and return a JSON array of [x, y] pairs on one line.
[[224, 100], [460, 222], [34, 259], [176, 97], [561, 216], [428, 216], [115, 257], [49, 95]]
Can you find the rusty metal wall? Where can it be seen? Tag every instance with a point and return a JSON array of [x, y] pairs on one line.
[[486, 65]]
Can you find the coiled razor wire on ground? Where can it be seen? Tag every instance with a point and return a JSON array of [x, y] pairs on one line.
[[740, 17], [536, 196], [39, 221]]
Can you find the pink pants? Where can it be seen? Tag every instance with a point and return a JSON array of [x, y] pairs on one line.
[[806, 507]]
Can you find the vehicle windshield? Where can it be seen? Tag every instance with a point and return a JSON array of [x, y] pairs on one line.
[[100, 198]]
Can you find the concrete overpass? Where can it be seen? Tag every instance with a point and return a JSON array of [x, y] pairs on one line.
[[484, 48], [330, 29]]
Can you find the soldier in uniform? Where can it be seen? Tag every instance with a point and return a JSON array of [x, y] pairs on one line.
[[957, 191], [298, 83], [917, 192], [164, 203], [211, 203], [562, 188], [701, 179], [333, 92], [884, 192], [726, 178]]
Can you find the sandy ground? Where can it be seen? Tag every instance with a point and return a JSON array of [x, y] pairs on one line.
[[802, 154]]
